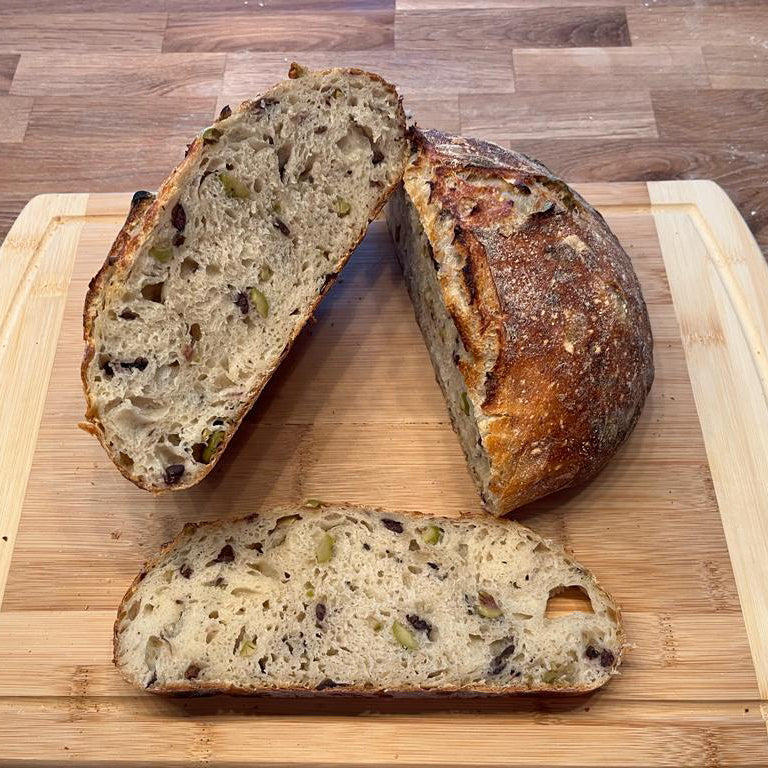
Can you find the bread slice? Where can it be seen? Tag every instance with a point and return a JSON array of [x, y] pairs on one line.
[[531, 311], [361, 600], [208, 284]]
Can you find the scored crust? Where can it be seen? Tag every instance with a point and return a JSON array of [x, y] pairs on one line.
[[145, 213], [202, 688], [548, 308]]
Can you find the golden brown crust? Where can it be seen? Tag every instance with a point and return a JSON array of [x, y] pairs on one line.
[[548, 307], [194, 688], [142, 218]]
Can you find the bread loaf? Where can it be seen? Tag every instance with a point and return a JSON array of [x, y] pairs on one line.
[[531, 311], [208, 284], [359, 600]]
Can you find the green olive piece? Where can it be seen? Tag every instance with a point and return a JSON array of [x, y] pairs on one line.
[[465, 403], [162, 253], [342, 207], [432, 534], [211, 135], [313, 503], [259, 300], [214, 441], [487, 606], [265, 272], [550, 676], [247, 648], [309, 589], [233, 186], [285, 522], [404, 636], [324, 551]]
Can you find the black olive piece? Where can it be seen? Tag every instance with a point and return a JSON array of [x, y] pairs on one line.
[[392, 525], [241, 300], [227, 555], [178, 239], [320, 611], [140, 362], [591, 652], [225, 112], [499, 661], [279, 224], [328, 683], [192, 672], [606, 658], [419, 624], [174, 473], [185, 570], [140, 195], [179, 217]]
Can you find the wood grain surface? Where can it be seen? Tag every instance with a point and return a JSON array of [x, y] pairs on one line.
[[673, 526], [601, 90]]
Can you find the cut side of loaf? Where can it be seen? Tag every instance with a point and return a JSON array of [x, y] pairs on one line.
[[360, 600], [208, 284], [531, 311]]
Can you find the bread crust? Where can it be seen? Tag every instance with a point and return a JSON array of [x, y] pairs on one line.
[[142, 218], [548, 307], [195, 688]]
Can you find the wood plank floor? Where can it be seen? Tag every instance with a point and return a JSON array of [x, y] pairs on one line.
[[102, 95]]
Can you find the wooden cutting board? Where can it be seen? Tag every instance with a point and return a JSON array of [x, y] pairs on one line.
[[676, 526]]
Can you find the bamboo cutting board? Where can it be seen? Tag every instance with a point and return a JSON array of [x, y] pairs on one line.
[[676, 526]]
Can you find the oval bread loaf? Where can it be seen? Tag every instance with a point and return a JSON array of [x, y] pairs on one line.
[[208, 284], [360, 600], [531, 311]]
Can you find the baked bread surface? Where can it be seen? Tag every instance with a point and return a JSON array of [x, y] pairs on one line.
[[359, 600], [531, 310], [208, 284]]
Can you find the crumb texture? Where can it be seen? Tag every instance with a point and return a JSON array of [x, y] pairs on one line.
[[228, 264], [364, 599]]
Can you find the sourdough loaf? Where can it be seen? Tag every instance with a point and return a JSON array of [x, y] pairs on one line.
[[359, 600], [208, 284], [531, 311]]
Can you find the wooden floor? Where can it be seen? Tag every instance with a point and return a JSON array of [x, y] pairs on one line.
[[102, 96]]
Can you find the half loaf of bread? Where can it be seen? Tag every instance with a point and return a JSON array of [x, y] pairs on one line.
[[360, 600], [208, 284], [531, 311]]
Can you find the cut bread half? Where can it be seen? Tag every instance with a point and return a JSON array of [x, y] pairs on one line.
[[208, 284], [355, 599], [531, 311]]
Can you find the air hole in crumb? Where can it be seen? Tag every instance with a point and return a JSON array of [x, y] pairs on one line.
[[283, 156], [567, 600], [174, 439], [306, 174], [413, 546], [212, 269], [210, 634], [153, 292], [125, 460], [188, 267], [213, 615], [194, 331], [133, 611]]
